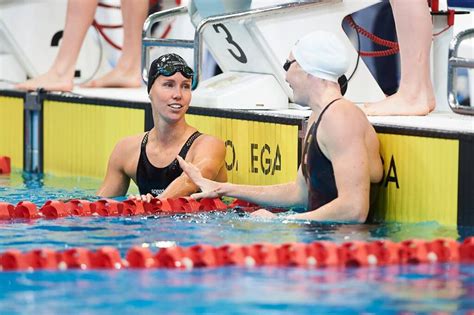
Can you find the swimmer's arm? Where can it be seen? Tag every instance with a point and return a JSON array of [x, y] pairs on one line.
[[116, 182], [283, 195], [292, 194], [348, 153], [209, 159]]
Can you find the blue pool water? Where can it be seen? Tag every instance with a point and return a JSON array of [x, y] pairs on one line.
[[395, 289]]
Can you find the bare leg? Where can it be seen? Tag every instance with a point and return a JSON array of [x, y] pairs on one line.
[[415, 95], [127, 71], [80, 14]]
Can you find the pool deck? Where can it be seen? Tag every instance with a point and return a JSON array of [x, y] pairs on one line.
[[439, 121]]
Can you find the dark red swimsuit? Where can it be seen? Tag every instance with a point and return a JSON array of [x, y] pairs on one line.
[[317, 169]]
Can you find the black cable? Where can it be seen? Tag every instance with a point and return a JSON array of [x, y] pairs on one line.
[[343, 81], [358, 57]]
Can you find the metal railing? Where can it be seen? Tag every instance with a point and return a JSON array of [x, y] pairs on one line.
[[148, 41], [458, 62], [197, 42]]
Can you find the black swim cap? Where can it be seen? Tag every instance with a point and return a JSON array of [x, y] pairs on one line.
[[168, 65]]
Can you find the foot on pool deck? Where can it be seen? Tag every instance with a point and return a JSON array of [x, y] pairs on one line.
[[50, 81], [400, 104], [116, 78]]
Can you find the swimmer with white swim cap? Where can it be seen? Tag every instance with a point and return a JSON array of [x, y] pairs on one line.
[[340, 156]]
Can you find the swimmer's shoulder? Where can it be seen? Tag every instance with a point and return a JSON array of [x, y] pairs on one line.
[[208, 144], [345, 114], [341, 123], [129, 145], [209, 140]]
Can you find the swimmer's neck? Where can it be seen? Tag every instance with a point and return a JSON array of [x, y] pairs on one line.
[[319, 101], [168, 133]]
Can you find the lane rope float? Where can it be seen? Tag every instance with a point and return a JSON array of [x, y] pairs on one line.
[[307, 255]]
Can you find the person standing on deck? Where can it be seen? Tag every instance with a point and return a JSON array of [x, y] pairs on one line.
[[415, 95], [340, 157], [79, 17]]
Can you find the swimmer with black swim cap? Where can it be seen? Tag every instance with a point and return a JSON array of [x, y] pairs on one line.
[[149, 158], [168, 65]]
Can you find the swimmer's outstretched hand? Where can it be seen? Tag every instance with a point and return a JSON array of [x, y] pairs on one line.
[[147, 197], [263, 213], [209, 188]]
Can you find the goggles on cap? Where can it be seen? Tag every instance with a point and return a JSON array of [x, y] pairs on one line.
[[169, 70]]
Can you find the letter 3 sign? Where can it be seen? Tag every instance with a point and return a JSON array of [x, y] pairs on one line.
[[241, 57]]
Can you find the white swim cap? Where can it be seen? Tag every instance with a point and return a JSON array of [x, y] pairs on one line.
[[322, 54]]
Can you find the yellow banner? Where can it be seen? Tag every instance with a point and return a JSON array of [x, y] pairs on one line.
[[78, 138], [420, 179], [11, 130], [258, 153]]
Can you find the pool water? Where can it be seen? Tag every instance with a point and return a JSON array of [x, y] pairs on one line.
[[411, 288]]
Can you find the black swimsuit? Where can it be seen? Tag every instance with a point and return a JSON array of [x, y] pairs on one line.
[[154, 180], [317, 169]]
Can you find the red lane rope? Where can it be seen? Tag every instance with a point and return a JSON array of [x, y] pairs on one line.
[[306, 255], [5, 165], [53, 209]]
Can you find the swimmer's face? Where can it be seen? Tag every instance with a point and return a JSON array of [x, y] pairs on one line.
[[297, 79], [170, 96]]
